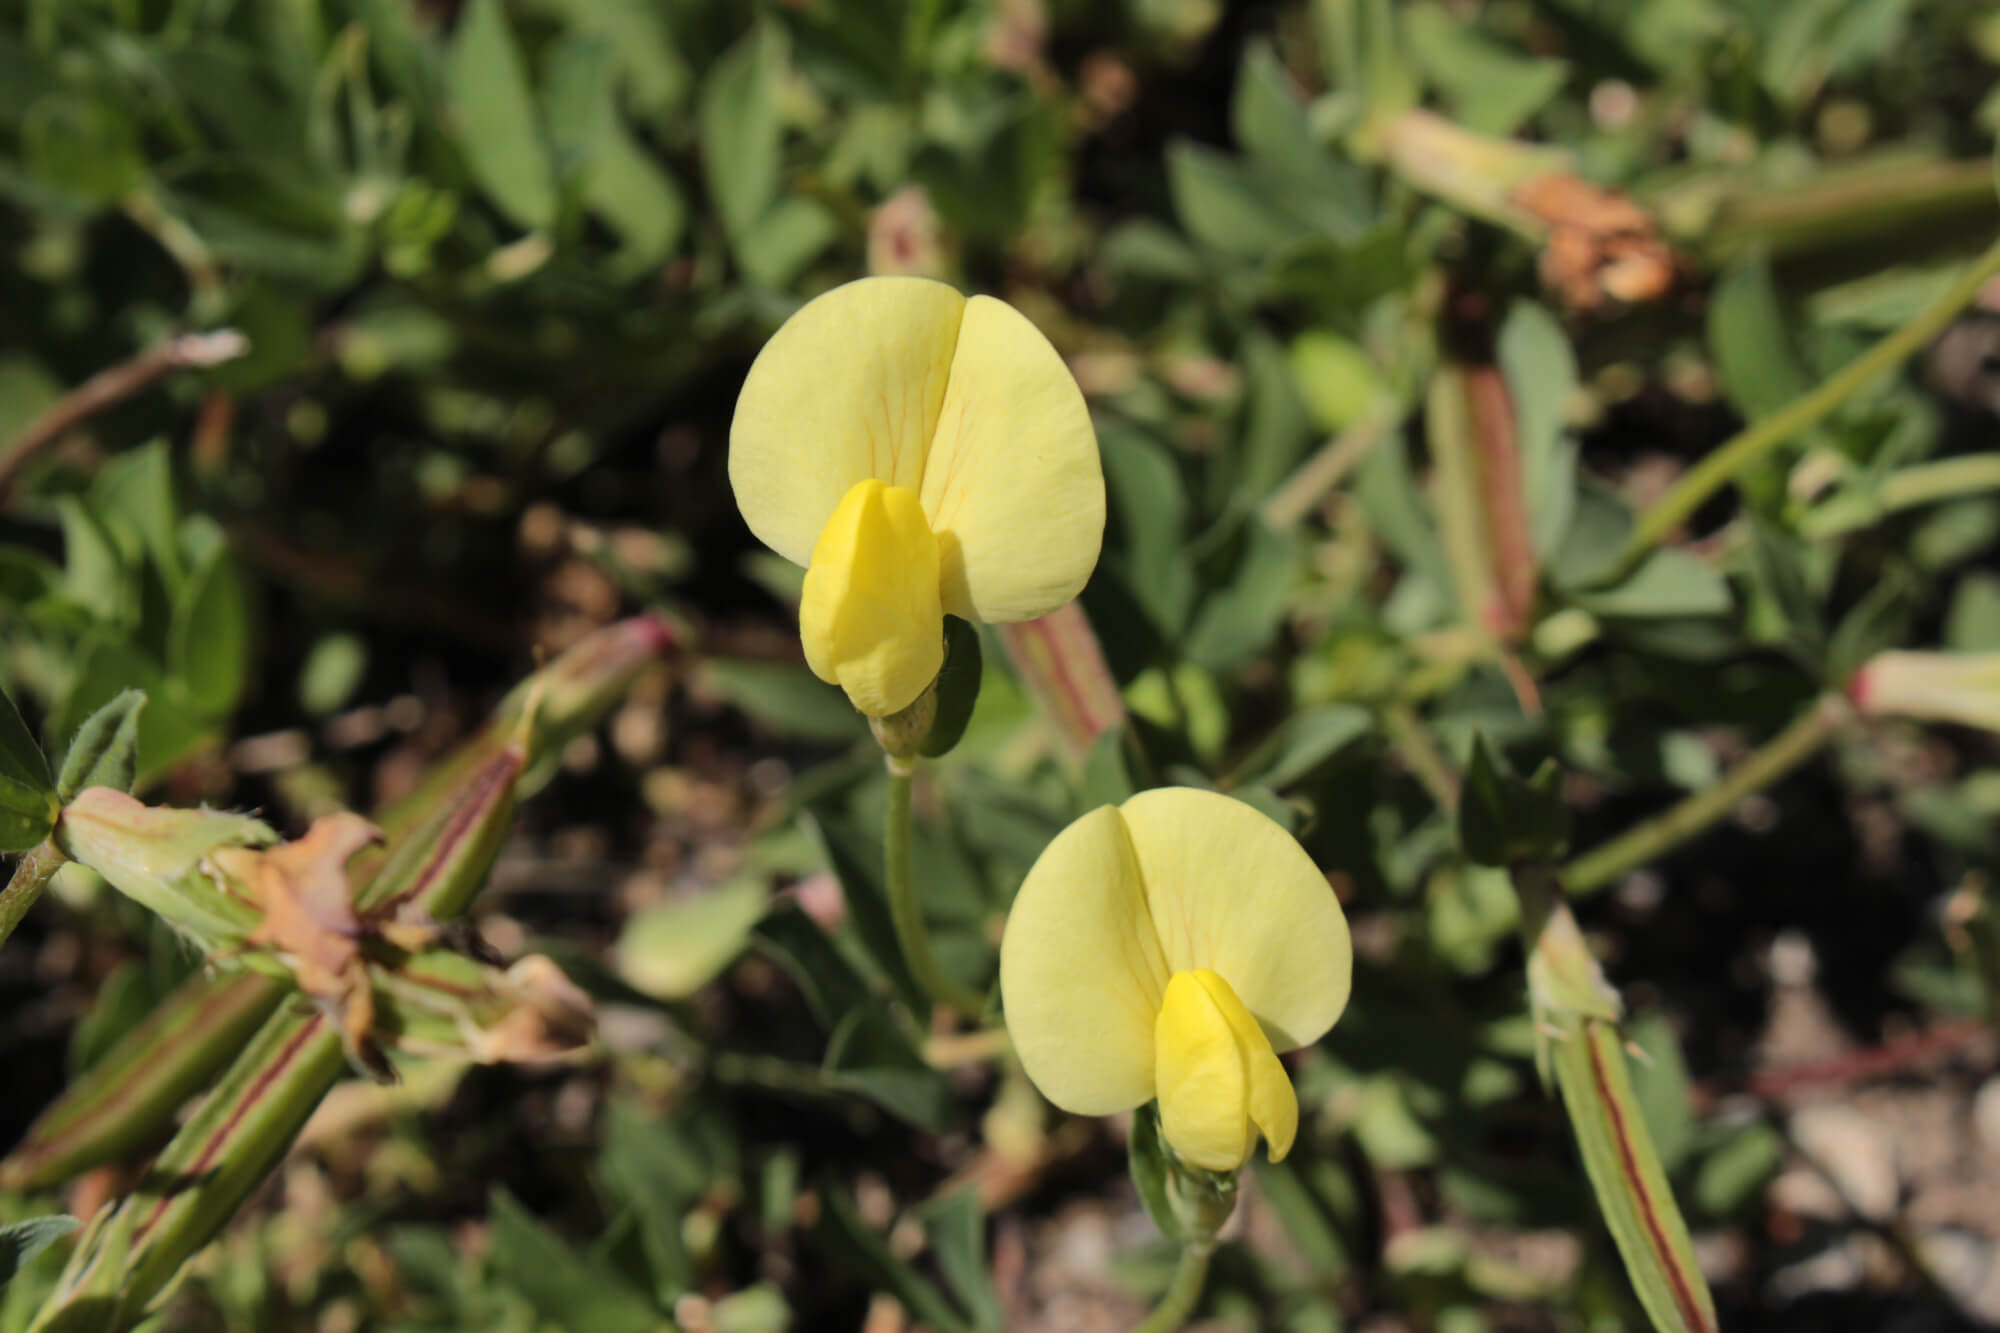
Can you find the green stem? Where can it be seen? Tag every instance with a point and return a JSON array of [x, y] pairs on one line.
[[1648, 841], [903, 909], [1907, 488], [31, 875], [1427, 764], [1185, 1291], [1747, 446]]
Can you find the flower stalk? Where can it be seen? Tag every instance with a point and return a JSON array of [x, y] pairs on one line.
[[1202, 1202], [1743, 450], [32, 874], [1184, 1292], [904, 912], [1655, 837]]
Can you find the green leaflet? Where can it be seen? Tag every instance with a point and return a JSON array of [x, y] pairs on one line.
[[105, 752]]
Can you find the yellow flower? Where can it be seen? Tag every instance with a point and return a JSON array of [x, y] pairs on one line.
[[1168, 948], [921, 454]]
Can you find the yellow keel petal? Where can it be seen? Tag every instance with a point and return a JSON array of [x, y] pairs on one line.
[[870, 617], [1218, 1078], [1203, 1093], [1232, 891], [1272, 1105]]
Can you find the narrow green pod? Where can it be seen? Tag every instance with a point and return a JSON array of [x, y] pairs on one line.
[[443, 845], [127, 1097], [1577, 1012], [129, 1256], [244, 1126]]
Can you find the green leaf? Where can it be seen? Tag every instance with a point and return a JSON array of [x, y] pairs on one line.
[[1540, 369], [95, 572], [82, 145], [135, 492], [957, 687], [1879, 621], [854, 854], [26, 389], [105, 752], [957, 1226], [208, 645], [567, 1289], [639, 35], [1143, 248], [168, 729], [1241, 617], [394, 337], [646, 1163], [1277, 425], [333, 671], [1146, 1155], [22, 1241], [1672, 583], [856, 1248], [21, 760], [1590, 549], [1735, 1173], [26, 816], [741, 136], [1223, 206], [1503, 821], [825, 977], [672, 950], [1751, 340], [1335, 377], [494, 114], [28, 804], [1305, 1219], [1490, 88], [1397, 508], [621, 182], [785, 698], [1148, 553], [1972, 625], [784, 240], [1305, 741], [1106, 779], [1328, 196], [1781, 606]]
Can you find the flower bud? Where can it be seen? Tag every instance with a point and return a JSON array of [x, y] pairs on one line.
[[1937, 687], [159, 857]]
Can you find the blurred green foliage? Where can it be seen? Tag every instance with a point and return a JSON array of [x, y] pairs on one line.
[[1376, 424]]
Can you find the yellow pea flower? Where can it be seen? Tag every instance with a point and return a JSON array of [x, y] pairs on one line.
[[920, 453], [1169, 947]]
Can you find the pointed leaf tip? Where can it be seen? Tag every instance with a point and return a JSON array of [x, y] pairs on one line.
[[105, 752]]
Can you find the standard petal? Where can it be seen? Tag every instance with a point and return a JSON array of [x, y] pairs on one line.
[[1230, 890], [849, 388], [1272, 1105], [1200, 1078], [1012, 483], [1080, 971], [869, 615]]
